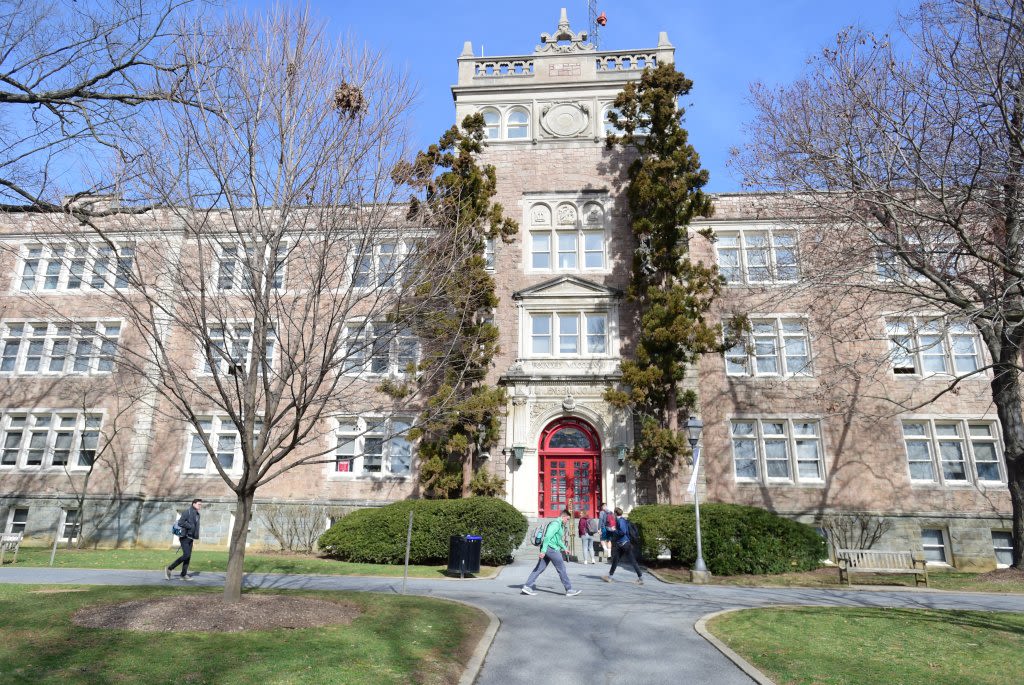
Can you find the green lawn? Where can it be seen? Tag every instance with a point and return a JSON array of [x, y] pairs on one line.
[[829, 578], [396, 640], [207, 560], [846, 646]]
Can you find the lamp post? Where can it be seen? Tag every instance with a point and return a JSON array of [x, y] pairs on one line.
[[694, 426]]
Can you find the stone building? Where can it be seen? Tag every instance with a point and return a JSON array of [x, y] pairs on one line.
[[800, 420]]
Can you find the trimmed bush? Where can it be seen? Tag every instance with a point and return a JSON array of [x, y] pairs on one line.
[[737, 539], [377, 535]]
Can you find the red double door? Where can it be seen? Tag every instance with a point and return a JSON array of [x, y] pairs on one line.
[[570, 468]]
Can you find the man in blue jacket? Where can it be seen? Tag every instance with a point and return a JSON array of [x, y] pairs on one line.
[[623, 548], [189, 524], [551, 548]]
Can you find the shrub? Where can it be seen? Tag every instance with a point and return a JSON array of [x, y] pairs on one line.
[[296, 527], [737, 539], [377, 535]]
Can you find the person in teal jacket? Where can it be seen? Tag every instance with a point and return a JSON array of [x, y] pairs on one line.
[[551, 548]]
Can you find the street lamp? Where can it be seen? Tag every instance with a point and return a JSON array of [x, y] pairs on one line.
[[694, 426]]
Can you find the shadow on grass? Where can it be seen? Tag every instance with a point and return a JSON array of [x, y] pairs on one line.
[[965, 619]]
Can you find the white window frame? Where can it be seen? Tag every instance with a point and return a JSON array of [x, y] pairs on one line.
[[1006, 549], [69, 267], [738, 240], [362, 336], [218, 429], [943, 548], [351, 434], [231, 337], [526, 127], [488, 126], [582, 335], [101, 339], [77, 524], [237, 254], [71, 432], [791, 440], [11, 523], [741, 360], [377, 277], [579, 232], [968, 442], [910, 351], [490, 257]]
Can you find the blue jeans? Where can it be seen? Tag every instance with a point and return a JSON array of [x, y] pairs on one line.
[[588, 548], [553, 556]]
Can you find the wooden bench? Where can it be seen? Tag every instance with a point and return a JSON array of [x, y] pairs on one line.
[[880, 561], [9, 542]]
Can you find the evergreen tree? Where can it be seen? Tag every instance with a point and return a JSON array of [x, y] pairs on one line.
[[461, 418], [672, 293]]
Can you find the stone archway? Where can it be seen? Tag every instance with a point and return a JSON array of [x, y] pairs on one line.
[[570, 468]]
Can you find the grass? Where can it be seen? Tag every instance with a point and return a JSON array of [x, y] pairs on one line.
[[396, 640], [853, 646], [213, 560], [957, 581]]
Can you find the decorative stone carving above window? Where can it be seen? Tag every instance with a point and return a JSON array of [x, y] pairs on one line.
[[565, 119], [566, 215], [564, 39], [593, 215], [540, 215]]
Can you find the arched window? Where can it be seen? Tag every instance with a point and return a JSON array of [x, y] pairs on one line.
[[492, 124], [518, 124]]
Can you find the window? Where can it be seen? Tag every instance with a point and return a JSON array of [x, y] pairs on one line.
[[777, 450], [575, 243], [225, 442], [907, 255], [72, 525], [489, 254], [1002, 545], [379, 265], [58, 348], [17, 520], [49, 439], [370, 445], [492, 124], [948, 452], [609, 128], [933, 542], [569, 334], [923, 346], [757, 256], [230, 348], [61, 267], [517, 126], [238, 268], [774, 346], [379, 348]]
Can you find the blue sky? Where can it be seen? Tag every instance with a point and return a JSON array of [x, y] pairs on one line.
[[722, 46]]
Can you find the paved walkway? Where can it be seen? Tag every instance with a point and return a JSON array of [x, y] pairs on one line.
[[587, 631]]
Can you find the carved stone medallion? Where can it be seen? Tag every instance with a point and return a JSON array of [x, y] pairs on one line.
[[565, 119]]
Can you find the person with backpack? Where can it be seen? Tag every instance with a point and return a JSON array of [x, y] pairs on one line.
[[188, 522], [626, 543], [587, 528], [552, 545], [606, 521]]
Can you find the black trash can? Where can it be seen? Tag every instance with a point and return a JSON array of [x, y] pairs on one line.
[[464, 554], [473, 543]]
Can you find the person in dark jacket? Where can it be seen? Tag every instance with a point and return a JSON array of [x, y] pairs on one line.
[[189, 524], [623, 548]]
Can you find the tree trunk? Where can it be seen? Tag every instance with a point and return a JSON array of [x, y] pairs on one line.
[[236, 548], [467, 473], [1006, 394], [672, 424]]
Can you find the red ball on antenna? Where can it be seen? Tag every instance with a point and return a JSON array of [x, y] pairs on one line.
[[602, 19]]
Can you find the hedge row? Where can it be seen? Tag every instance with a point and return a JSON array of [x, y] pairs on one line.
[[377, 535], [736, 539]]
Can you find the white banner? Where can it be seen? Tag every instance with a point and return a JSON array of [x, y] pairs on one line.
[[692, 487]]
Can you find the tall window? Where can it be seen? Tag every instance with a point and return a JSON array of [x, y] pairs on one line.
[[58, 348], [17, 520], [226, 443], [238, 267], [492, 124], [568, 334], [379, 265], [921, 346], [72, 526], [933, 544], [48, 439], [570, 239], [777, 450], [774, 346], [371, 445], [757, 255], [379, 348], [517, 125], [1002, 546], [66, 267], [230, 349], [950, 452]]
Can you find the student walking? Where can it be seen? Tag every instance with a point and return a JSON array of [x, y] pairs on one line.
[[624, 548], [189, 524], [551, 548], [587, 528], [606, 521]]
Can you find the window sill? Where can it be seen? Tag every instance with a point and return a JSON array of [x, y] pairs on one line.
[[367, 477], [803, 485], [791, 377]]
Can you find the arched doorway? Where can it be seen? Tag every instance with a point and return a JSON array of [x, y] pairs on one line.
[[570, 468]]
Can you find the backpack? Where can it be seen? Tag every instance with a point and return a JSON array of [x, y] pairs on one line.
[[593, 526], [539, 532], [634, 536]]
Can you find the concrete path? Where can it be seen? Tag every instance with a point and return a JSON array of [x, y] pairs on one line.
[[553, 639]]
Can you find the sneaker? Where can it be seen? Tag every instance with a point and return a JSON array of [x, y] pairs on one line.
[[639, 581], [188, 577], [167, 573], [572, 593], [527, 590], [606, 579]]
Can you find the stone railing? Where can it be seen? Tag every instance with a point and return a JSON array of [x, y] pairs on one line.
[[501, 68], [626, 61]]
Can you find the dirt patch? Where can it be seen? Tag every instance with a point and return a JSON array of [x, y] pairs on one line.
[[1002, 575], [212, 614]]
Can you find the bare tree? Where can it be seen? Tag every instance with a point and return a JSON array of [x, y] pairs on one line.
[[271, 290], [75, 76], [911, 162]]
